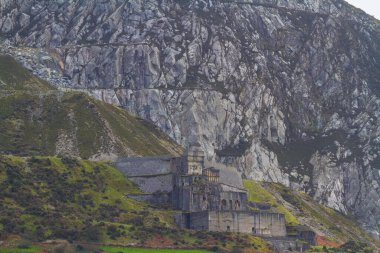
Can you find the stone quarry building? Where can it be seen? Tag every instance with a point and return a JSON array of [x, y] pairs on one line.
[[209, 198]]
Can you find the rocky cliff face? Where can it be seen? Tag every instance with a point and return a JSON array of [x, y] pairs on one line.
[[285, 90]]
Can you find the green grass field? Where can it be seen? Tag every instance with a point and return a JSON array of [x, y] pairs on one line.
[[32, 249], [106, 249], [142, 250]]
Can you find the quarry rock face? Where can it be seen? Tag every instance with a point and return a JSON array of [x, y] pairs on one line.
[[285, 91]]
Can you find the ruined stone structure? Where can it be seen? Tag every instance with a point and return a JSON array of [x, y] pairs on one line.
[[210, 198]]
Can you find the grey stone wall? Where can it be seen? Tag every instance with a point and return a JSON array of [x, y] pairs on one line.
[[145, 166], [228, 175], [152, 184], [158, 199], [207, 206], [288, 244], [151, 174], [264, 224], [230, 221], [193, 195], [199, 220], [233, 200], [269, 224], [181, 220]]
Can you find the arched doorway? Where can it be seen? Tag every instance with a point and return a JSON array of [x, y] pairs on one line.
[[224, 204]]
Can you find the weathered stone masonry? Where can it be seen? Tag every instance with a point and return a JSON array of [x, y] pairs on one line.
[[209, 198]]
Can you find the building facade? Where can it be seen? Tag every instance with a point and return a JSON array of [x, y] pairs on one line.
[[206, 202]]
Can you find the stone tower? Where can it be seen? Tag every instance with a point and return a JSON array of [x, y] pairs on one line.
[[194, 160]]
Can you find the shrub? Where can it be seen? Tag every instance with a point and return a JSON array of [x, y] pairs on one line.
[[214, 248], [236, 250], [113, 232], [71, 162], [40, 162], [92, 233], [138, 221], [24, 244]]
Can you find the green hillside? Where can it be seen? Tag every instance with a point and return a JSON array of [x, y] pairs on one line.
[[35, 119], [14, 77], [258, 194], [46, 198], [300, 208], [137, 250]]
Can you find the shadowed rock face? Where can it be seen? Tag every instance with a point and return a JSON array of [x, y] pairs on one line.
[[286, 91]]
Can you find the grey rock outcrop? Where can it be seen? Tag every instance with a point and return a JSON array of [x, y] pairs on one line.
[[286, 90]]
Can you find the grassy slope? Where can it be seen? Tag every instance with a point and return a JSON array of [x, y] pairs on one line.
[[32, 249], [15, 77], [334, 225], [35, 119], [105, 249], [48, 197], [350, 247], [256, 193], [60, 198], [139, 250], [325, 221]]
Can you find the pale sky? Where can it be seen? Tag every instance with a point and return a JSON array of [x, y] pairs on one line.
[[372, 7]]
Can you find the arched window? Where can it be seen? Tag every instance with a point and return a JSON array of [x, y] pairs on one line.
[[228, 229], [237, 205], [224, 204], [204, 203]]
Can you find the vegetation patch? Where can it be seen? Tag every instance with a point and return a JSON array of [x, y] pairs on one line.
[[145, 250], [258, 194], [49, 197], [336, 226], [77, 125], [30, 249], [15, 77], [36, 119], [349, 247]]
